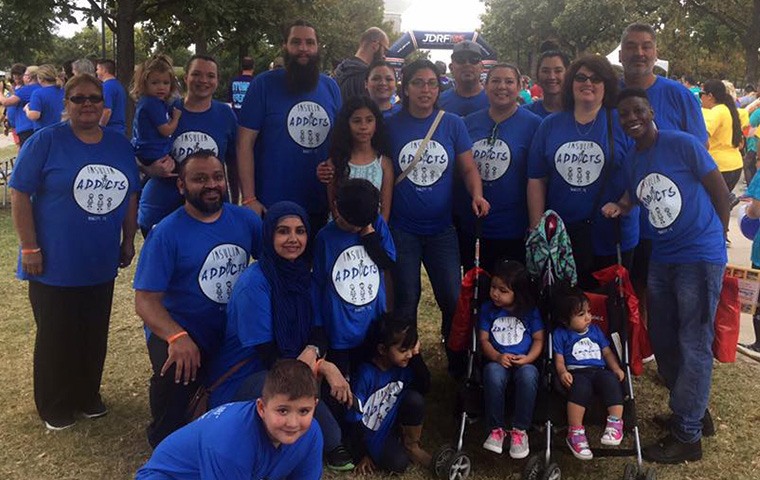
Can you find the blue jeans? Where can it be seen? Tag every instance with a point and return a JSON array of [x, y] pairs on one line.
[[495, 381], [683, 299], [440, 255]]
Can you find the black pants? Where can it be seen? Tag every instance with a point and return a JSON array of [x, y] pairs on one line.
[[23, 137], [586, 263], [599, 381], [750, 165], [70, 347], [732, 178], [393, 457], [168, 399], [491, 250]]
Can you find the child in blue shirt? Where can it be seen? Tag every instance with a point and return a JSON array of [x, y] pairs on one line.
[[389, 393], [586, 365], [511, 337], [352, 256], [273, 437], [154, 87]]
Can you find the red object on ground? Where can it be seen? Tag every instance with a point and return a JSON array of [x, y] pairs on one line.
[[727, 321]]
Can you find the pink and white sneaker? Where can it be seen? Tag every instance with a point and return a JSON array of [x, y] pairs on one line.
[[613, 433], [578, 443], [519, 448], [495, 440]]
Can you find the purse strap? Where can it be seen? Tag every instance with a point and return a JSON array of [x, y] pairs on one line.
[[606, 168], [228, 374], [421, 148]]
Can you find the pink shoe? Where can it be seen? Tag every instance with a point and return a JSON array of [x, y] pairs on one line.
[[578, 443], [495, 441], [613, 433]]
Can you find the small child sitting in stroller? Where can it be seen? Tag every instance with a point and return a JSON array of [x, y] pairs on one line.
[[511, 337], [586, 365]]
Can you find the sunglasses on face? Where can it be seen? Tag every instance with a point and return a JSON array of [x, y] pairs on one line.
[[80, 99], [470, 60], [581, 78], [419, 83]]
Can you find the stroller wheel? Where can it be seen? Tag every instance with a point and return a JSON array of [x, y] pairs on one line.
[[534, 468], [458, 467], [650, 474], [552, 472], [441, 458], [631, 472]]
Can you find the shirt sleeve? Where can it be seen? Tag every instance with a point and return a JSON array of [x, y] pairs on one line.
[[255, 225], [108, 94], [535, 322], [692, 121], [27, 172], [250, 308], [699, 159], [156, 265], [600, 337], [35, 102], [462, 141], [386, 237], [558, 341], [214, 465], [484, 322], [253, 109], [157, 113]]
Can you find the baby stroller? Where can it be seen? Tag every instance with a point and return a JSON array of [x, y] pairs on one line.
[[550, 261]]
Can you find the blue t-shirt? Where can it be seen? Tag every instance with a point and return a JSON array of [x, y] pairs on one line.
[[503, 167], [378, 394], [537, 108], [214, 129], [238, 87], [574, 158], [754, 121], [10, 113], [508, 333], [422, 202], [395, 108], [115, 98], [196, 264], [80, 193], [753, 191], [294, 137], [47, 100], [23, 124], [351, 287], [666, 179], [231, 443], [451, 101], [581, 350], [150, 145]]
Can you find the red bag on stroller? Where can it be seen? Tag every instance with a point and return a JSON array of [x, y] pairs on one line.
[[463, 321], [727, 321]]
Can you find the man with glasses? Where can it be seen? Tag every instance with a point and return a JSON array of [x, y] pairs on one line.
[[468, 94], [352, 72]]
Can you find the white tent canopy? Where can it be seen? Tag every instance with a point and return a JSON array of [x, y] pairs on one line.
[[614, 58]]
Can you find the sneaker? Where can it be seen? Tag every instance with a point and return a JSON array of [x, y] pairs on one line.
[[495, 441], [671, 450], [519, 448], [578, 443], [613, 433], [733, 200], [648, 359], [339, 459], [97, 410], [59, 424], [755, 347]]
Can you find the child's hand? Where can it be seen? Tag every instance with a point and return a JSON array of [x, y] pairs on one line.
[[519, 360], [176, 113], [505, 360], [611, 210], [620, 374], [416, 349], [366, 230], [566, 379], [366, 466], [325, 171]]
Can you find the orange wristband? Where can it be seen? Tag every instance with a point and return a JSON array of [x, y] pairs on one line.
[[26, 251], [175, 337], [247, 201]]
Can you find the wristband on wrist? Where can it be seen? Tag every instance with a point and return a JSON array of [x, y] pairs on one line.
[[175, 337], [248, 200], [26, 251]]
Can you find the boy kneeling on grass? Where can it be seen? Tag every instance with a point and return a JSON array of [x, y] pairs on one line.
[[273, 437]]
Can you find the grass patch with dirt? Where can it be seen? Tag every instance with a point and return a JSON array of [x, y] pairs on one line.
[[115, 446]]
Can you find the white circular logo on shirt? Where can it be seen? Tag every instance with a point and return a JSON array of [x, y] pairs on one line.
[[430, 169], [190, 142], [100, 189], [508, 331], [492, 160], [379, 405], [586, 349], [355, 276], [221, 270], [661, 197], [308, 124], [579, 163]]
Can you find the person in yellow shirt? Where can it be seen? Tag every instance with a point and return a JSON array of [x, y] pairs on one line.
[[724, 130]]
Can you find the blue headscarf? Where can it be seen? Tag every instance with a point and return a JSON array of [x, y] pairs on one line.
[[290, 283]]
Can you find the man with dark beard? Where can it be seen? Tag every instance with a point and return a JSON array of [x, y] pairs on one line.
[[284, 129], [351, 74], [188, 266]]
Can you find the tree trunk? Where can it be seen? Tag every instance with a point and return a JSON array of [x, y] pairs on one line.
[[201, 43], [751, 45], [125, 50]]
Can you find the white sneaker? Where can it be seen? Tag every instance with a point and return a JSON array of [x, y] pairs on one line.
[[495, 441], [519, 448]]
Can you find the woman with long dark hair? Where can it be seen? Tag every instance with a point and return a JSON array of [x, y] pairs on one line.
[[724, 130]]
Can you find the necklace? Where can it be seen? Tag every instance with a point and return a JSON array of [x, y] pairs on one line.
[[588, 130]]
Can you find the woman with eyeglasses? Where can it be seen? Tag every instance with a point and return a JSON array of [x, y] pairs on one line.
[[575, 167], [74, 197], [421, 211], [502, 134], [381, 86]]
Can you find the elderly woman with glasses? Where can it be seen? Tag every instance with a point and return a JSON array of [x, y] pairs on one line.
[[421, 212], [574, 168], [74, 196]]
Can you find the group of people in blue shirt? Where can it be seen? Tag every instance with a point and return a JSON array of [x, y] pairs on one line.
[[341, 295]]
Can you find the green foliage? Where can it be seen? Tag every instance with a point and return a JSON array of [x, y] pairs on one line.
[[26, 25]]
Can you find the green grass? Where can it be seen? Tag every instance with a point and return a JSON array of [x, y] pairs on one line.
[[115, 446]]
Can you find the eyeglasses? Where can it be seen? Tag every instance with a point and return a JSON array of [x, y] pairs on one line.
[[581, 78], [80, 99], [419, 83], [703, 93], [472, 60]]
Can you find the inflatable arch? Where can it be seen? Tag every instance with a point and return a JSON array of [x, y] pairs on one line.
[[413, 40]]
